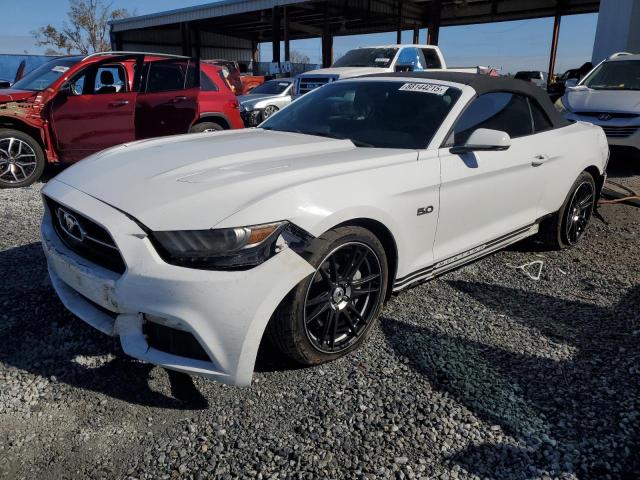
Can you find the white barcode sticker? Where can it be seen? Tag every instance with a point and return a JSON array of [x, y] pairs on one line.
[[424, 88], [59, 69]]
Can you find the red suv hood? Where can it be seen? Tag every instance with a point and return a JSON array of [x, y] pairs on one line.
[[10, 95]]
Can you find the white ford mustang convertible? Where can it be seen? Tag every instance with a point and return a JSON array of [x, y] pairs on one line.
[[193, 248]]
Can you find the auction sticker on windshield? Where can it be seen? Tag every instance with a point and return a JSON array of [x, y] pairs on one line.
[[424, 88]]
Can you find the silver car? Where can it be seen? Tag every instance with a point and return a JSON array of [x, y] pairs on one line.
[[609, 96], [265, 100]]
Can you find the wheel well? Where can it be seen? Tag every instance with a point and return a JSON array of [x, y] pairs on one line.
[[597, 177], [33, 132], [214, 119], [388, 243]]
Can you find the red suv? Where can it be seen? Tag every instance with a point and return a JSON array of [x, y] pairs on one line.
[[72, 107]]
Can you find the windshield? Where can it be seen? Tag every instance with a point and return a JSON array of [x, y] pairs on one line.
[[367, 57], [272, 87], [43, 76], [379, 114], [616, 75]]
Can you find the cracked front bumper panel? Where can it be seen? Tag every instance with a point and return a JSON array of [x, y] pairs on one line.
[[226, 312]]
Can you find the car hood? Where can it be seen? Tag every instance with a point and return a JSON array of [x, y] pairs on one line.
[[345, 72], [11, 95], [195, 181], [254, 97], [250, 101], [584, 99]]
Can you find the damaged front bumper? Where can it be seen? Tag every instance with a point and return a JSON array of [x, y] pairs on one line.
[[223, 312]]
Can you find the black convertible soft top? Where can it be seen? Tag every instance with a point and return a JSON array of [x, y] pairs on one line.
[[485, 84]]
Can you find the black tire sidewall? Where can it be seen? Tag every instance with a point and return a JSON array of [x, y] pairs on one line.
[[561, 224], [201, 127], [40, 158], [330, 242]]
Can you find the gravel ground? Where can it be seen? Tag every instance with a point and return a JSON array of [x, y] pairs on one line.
[[483, 373]]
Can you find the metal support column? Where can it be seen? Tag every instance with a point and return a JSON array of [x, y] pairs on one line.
[[287, 51], [255, 53], [554, 44], [185, 39], [399, 29], [197, 44], [416, 36], [275, 32], [327, 40], [434, 23]]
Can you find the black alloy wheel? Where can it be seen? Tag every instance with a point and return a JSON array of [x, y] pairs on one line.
[[342, 297], [579, 212], [331, 312]]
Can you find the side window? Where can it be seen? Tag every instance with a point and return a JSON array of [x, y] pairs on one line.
[[503, 111], [167, 75], [431, 58], [412, 56], [206, 84], [100, 80], [110, 79], [541, 122]]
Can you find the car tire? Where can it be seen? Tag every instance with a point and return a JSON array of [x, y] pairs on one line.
[[331, 312], [565, 228], [206, 127], [268, 111], [22, 160]]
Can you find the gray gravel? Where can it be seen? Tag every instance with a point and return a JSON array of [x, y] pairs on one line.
[[483, 373]]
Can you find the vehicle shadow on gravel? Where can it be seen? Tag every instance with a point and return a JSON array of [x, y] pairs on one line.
[[578, 416], [43, 338]]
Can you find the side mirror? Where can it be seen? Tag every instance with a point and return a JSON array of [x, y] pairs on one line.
[[484, 139], [571, 82], [5, 84], [65, 89], [404, 67]]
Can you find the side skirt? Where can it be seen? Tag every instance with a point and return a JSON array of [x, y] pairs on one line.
[[463, 258]]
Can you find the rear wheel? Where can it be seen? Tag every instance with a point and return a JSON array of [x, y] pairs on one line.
[[206, 127], [331, 312], [22, 160], [567, 226]]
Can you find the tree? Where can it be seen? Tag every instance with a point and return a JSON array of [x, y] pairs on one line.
[[297, 57], [87, 29]]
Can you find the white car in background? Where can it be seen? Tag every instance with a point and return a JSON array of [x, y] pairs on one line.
[[380, 59], [189, 248], [265, 100], [609, 96]]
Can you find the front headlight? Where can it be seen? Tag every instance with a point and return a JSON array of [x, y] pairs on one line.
[[224, 248]]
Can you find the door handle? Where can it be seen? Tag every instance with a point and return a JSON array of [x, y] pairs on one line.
[[178, 99], [539, 159], [119, 103]]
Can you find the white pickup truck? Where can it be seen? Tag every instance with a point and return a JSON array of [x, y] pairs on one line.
[[381, 59]]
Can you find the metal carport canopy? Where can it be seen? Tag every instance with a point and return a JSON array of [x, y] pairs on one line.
[[252, 19]]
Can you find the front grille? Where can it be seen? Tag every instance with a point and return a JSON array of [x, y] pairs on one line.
[[87, 239], [173, 341], [311, 83], [619, 132]]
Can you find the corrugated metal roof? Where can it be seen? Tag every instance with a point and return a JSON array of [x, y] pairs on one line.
[[199, 12]]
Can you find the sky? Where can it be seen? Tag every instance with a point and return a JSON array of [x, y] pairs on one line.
[[511, 46]]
